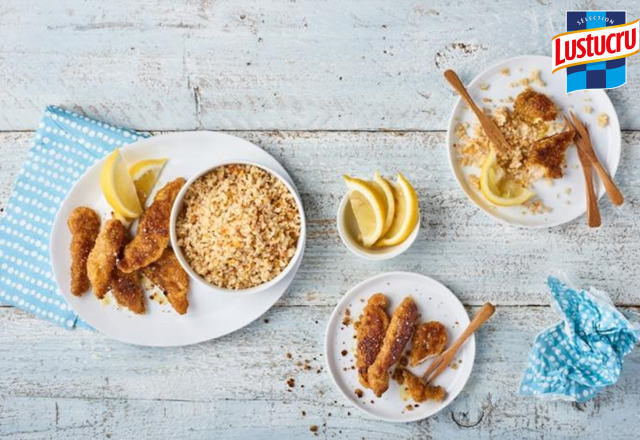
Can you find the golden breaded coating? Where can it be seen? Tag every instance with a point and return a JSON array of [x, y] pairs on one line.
[[531, 106], [103, 256], [429, 340], [84, 225], [127, 291], [398, 334], [170, 277], [370, 331], [420, 391], [548, 153], [152, 237]]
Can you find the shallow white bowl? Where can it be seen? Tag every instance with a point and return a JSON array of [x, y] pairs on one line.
[[373, 254], [177, 207]]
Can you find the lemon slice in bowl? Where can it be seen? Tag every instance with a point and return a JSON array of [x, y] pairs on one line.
[[145, 175], [407, 213], [118, 187], [368, 209], [384, 187], [497, 187]]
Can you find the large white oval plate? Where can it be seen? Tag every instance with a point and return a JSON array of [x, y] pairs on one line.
[[567, 197], [210, 314], [435, 302]]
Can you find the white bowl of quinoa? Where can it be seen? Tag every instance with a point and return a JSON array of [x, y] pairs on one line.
[[238, 227]]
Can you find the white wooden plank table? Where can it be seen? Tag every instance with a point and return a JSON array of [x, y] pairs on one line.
[[328, 87]]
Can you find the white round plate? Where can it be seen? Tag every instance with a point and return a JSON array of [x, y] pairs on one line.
[[210, 314], [566, 197], [435, 302]]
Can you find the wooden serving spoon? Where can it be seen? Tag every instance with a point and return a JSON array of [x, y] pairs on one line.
[[490, 128], [442, 362]]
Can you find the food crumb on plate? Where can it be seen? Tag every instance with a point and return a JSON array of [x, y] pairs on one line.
[[603, 120]]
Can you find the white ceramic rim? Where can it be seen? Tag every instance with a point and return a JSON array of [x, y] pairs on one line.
[[187, 333], [372, 255], [612, 169], [177, 207], [471, 343]]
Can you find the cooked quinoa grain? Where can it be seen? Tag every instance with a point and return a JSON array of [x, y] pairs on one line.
[[239, 226]]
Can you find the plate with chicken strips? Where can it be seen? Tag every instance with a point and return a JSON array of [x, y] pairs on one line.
[[537, 180], [382, 337], [115, 260]]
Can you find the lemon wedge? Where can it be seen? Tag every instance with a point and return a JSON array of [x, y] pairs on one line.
[[145, 175], [384, 187], [368, 208], [407, 213], [118, 188], [496, 186]]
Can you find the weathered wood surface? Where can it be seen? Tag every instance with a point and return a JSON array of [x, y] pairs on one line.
[[479, 259], [83, 385], [80, 384], [319, 84], [256, 65]]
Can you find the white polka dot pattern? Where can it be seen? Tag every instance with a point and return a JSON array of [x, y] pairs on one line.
[[65, 146], [581, 355]]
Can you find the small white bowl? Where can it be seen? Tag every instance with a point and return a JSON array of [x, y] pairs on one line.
[[177, 207], [373, 254]]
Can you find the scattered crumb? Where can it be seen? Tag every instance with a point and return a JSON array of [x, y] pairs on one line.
[[266, 320], [567, 190], [313, 428], [484, 86], [289, 355], [588, 109], [291, 382], [409, 407], [506, 71], [347, 317], [359, 392], [534, 76], [344, 352], [524, 81], [603, 120]]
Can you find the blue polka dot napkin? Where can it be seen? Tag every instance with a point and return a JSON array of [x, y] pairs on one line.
[[581, 355], [64, 147]]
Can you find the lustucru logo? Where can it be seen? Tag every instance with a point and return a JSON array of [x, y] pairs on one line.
[[594, 48]]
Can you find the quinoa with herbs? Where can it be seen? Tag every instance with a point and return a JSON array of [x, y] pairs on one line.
[[239, 226]]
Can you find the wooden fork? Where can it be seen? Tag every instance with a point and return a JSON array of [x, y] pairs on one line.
[[442, 362], [490, 128], [593, 213], [613, 192]]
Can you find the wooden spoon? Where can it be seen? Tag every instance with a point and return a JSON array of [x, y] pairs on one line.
[[593, 213], [442, 362], [613, 192], [490, 128]]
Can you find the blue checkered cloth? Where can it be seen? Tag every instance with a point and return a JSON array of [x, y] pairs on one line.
[[582, 354], [64, 147], [603, 74]]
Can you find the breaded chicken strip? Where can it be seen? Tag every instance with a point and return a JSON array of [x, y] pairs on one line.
[[398, 334], [370, 331], [103, 256], [152, 237], [548, 153], [429, 340], [170, 277], [84, 225], [533, 107], [420, 391], [127, 291]]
